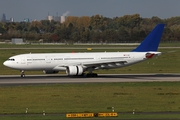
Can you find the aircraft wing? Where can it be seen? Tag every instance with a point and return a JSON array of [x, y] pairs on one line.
[[105, 62], [94, 64]]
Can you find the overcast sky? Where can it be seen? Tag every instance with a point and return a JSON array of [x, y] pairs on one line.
[[39, 9]]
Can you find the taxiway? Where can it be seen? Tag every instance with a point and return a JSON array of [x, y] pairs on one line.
[[8, 80]]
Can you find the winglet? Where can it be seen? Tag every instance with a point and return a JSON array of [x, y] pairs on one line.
[[151, 42]]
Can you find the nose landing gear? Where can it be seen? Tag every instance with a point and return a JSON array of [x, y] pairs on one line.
[[22, 73]]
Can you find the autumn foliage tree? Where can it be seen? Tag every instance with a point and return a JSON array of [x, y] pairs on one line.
[[96, 28]]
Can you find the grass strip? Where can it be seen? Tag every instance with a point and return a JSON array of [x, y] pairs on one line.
[[91, 97]]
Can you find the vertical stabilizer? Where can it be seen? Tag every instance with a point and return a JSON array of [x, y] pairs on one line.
[[151, 42]]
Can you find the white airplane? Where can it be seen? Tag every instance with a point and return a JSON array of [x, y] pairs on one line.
[[76, 64]]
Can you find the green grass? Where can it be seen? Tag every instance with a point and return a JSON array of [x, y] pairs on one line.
[[91, 97], [51, 46], [61, 98], [175, 44]]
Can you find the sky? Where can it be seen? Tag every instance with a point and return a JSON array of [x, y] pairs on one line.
[[40, 9]]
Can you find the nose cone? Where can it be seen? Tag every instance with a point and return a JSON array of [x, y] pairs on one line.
[[5, 63]]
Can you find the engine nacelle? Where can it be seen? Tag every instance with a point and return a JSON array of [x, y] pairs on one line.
[[50, 71], [74, 70]]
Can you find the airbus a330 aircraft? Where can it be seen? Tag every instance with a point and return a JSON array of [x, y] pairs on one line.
[[77, 63]]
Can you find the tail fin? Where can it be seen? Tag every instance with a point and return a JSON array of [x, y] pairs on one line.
[[151, 42]]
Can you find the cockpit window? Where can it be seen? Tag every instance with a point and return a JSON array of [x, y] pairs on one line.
[[11, 59]]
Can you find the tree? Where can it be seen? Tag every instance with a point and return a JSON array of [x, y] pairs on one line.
[[2, 30], [156, 20], [130, 21], [96, 21], [175, 32], [54, 38], [123, 34]]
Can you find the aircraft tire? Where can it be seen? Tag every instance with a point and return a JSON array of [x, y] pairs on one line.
[[91, 75], [22, 75]]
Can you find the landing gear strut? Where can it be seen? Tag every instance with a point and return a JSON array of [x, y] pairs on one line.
[[90, 73], [22, 73]]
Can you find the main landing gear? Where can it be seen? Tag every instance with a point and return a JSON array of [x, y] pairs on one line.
[[22, 73], [90, 73]]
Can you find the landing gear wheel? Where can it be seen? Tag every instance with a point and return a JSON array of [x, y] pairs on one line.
[[22, 73], [95, 75], [91, 75]]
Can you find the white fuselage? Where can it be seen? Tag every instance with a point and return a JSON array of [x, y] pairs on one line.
[[59, 61]]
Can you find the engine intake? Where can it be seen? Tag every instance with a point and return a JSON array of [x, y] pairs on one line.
[[74, 70]]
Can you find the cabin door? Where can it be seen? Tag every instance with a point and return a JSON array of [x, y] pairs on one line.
[[23, 60]]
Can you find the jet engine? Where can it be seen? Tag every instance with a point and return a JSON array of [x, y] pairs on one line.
[[50, 71], [74, 70]]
